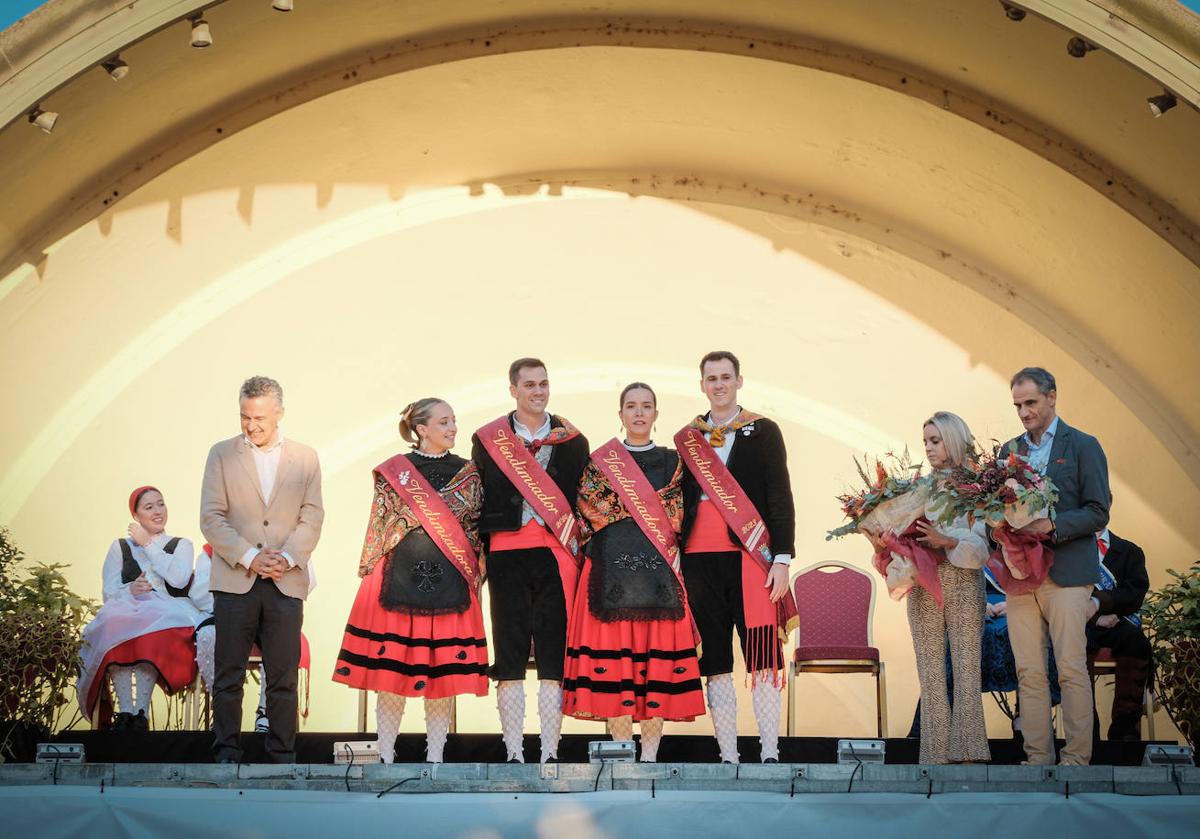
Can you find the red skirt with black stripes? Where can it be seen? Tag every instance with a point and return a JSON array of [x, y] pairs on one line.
[[433, 656], [644, 669]]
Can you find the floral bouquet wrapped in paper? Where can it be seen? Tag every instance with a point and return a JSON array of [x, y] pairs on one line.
[[1009, 494], [888, 504], [1001, 488]]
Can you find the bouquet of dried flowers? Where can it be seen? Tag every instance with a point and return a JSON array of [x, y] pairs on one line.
[[1000, 487], [891, 500]]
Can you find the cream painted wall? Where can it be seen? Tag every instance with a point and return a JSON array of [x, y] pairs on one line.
[[327, 247], [597, 284]]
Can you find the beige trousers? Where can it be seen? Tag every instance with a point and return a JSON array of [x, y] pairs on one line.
[[1063, 612]]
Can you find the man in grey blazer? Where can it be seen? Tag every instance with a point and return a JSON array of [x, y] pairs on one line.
[[1063, 604], [260, 509]]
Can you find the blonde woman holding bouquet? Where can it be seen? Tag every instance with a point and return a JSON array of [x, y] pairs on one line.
[[946, 602]]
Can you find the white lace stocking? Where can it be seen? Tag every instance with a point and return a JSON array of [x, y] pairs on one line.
[[621, 728], [722, 704], [389, 710], [652, 731], [262, 688], [550, 713], [510, 701], [122, 682], [147, 676], [767, 700], [206, 640], [437, 727]]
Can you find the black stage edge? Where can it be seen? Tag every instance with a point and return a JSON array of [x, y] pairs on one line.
[[194, 747]]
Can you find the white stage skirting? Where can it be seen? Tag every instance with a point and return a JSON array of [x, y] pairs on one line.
[[72, 811]]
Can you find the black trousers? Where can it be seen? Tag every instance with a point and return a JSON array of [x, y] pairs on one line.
[[1133, 656], [527, 606], [714, 590], [274, 619]]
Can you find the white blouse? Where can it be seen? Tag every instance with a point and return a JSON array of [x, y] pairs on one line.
[[971, 552], [160, 567]]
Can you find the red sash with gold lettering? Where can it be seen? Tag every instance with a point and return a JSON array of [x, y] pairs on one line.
[[740, 515], [718, 483], [638, 498], [642, 503], [433, 514], [511, 455]]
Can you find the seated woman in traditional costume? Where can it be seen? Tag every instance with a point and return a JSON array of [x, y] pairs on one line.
[[631, 641], [143, 633], [416, 627]]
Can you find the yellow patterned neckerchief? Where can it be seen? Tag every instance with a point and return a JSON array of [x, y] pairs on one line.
[[717, 432]]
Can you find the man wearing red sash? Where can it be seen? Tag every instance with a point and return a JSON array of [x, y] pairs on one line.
[[531, 462], [738, 534]]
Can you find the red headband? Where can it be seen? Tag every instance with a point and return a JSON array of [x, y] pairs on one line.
[[136, 496]]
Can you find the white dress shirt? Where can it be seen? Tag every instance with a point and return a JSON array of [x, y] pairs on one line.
[[266, 462], [542, 457]]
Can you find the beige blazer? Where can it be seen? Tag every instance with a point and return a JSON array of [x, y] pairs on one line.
[[234, 517]]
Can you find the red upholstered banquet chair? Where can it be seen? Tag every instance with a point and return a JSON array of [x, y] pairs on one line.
[[835, 602]]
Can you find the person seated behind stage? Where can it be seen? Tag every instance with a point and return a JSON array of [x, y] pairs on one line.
[[416, 626], [631, 647], [206, 635], [1117, 626], [142, 634]]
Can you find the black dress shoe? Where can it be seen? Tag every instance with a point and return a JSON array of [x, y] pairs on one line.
[[139, 722], [770, 760], [226, 760], [514, 760], [123, 721]]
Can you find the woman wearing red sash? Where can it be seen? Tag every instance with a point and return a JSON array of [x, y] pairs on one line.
[[946, 605], [143, 631], [631, 652], [416, 628]]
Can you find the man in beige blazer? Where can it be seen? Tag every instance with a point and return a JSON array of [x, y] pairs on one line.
[[260, 509]]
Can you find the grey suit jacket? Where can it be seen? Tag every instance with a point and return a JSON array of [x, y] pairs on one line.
[[1079, 469]]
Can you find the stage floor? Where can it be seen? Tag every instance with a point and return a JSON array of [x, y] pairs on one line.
[[205, 813], [317, 748]]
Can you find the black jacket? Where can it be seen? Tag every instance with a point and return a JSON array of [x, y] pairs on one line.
[[758, 460], [501, 500], [1127, 563]]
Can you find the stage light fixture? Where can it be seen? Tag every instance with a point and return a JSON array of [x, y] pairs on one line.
[[116, 68], [860, 751], [1078, 48], [59, 753], [611, 751], [1013, 13], [282, 5], [201, 36], [349, 752], [1162, 103], [43, 119], [1157, 754]]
